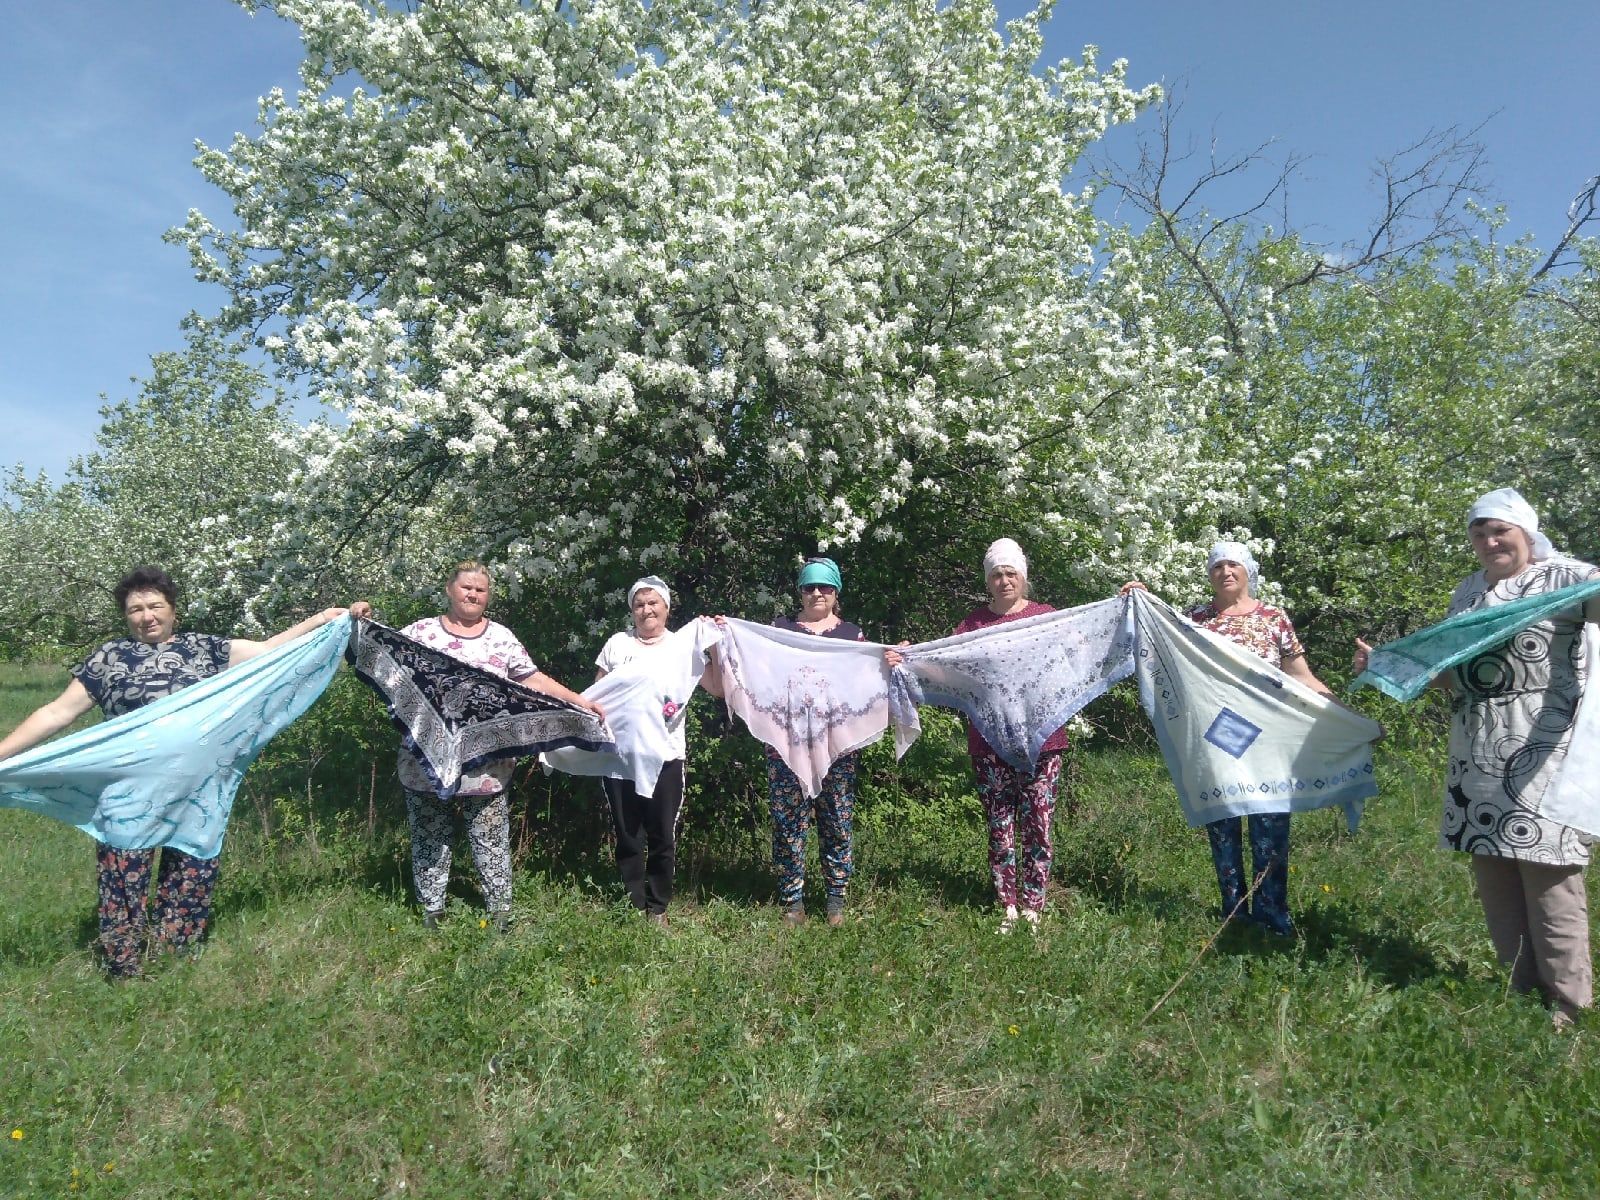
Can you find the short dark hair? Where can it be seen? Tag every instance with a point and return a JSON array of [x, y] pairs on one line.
[[145, 579]]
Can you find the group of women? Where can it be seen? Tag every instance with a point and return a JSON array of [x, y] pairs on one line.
[[1512, 718]]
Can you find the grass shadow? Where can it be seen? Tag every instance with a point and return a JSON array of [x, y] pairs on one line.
[[1386, 949]]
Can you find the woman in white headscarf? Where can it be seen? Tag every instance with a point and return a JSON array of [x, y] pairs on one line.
[[647, 826], [1019, 805], [1511, 728], [1234, 612]]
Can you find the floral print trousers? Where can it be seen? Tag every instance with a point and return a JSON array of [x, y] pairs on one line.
[[1018, 804], [834, 807], [183, 904], [1269, 857], [433, 827]]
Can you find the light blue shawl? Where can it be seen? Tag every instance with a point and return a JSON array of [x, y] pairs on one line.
[[166, 774]]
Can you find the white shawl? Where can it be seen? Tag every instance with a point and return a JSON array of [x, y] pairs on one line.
[[1239, 735], [645, 701]]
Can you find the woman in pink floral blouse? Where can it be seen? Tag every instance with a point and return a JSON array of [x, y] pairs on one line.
[[466, 634]]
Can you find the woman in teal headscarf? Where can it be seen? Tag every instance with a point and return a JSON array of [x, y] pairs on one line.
[[820, 585]]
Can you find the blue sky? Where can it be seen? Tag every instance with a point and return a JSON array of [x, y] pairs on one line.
[[103, 101]]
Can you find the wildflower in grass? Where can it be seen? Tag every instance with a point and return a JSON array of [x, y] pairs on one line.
[[110, 1167], [17, 1135], [1327, 888], [483, 922], [1013, 1030]]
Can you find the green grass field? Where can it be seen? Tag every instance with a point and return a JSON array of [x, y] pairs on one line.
[[324, 1045]]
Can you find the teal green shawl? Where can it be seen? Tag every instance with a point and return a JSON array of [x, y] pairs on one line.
[[1402, 668]]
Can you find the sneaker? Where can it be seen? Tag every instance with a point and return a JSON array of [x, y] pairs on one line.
[[836, 911], [1009, 921], [1032, 916], [794, 915]]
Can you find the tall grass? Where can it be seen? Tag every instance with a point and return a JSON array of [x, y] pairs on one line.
[[325, 1045]]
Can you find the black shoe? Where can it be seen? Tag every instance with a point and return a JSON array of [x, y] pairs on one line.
[[430, 920], [502, 920]]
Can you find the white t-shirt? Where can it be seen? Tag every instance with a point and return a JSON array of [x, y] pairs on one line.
[[625, 647]]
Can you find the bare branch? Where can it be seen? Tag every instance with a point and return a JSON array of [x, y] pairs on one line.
[[1584, 209]]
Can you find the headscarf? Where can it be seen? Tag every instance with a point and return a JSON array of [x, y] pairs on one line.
[[1003, 552], [1235, 552], [821, 570], [656, 584], [1507, 504]]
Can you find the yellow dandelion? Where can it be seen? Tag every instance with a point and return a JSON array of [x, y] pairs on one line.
[[1013, 1030], [110, 1167], [483, 922], [1326, 888], [17, 1135]]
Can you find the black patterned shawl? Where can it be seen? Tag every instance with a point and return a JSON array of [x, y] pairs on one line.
[[456, 717]]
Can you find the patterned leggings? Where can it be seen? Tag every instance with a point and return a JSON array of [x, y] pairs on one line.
[[183, 904], [1269, 856], [835, 808], [433, 827], [1013, 798]]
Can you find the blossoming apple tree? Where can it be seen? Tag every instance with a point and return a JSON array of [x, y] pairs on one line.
[[696, 287]]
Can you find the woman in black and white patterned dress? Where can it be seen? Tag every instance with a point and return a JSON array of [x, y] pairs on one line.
[[1512, 713]]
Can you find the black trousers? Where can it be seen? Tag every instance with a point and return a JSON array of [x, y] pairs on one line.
[[647, 821]]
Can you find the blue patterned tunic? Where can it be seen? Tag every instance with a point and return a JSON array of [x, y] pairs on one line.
[[126, 674]]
